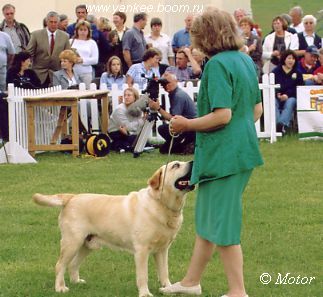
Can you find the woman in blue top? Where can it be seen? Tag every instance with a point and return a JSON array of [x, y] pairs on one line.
[[113, 75], [226, 149], [287, 75]]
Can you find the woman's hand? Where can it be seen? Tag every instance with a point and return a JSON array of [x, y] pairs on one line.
[[282, 97], [123, 130], [178, 124]]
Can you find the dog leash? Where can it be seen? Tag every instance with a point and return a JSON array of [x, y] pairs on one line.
[[173, 135]]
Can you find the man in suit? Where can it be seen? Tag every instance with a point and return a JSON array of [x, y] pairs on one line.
[[45, 45]]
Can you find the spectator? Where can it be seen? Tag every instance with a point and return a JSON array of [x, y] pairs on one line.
[[92, 20], [182, 37], [252, 43], [44, 46], [104, 27], [63, 22], [124, 126], [7, 52], [147, 68], [306, 38], [318, 73], [18, 32], [134, 43], [180, 104], [308, 64], [182, 71], [160, 67], [287, 75], [119, 19], [160, 41], [288, 20], [275, 43], [104, 46], [240, 13], [114, 49], [296, 13], [20, 74], [66, 77], [81, 15], [113, 74], [87, 50]]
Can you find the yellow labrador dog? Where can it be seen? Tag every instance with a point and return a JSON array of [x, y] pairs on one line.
[[142, 223]]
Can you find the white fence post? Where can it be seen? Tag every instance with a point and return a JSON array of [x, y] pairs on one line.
[[16, 150]]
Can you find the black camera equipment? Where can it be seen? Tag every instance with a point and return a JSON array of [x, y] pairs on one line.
[[152, 91]]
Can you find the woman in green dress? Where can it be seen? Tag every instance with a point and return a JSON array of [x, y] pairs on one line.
[[226, 149]]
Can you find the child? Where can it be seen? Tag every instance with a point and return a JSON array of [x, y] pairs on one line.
[[113, 75]]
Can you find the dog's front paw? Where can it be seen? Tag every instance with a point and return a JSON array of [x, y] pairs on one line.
[[165, 283], [145, 294], [77, 280], [62, 289]]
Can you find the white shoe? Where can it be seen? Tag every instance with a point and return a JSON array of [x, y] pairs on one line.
[[177, 288]]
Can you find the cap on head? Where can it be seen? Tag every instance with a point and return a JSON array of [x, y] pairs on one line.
[[312, 49]]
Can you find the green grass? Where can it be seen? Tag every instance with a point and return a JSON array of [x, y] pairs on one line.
[[282, 233], [265, 10]]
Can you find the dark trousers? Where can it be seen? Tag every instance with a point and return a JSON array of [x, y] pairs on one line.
[[4, 126], [121, 141]]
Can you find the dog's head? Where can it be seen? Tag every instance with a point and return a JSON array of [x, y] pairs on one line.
[[171, 182]]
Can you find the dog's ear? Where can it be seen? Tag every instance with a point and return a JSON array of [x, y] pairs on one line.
[[155, 180]]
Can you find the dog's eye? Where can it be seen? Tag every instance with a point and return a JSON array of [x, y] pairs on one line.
[[175, 166]]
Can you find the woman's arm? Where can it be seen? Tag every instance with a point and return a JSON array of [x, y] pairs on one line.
[[257, 112], [210, 122]]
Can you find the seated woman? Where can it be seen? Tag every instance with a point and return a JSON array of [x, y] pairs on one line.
[[287, 75], [66, 77], [20, 74], [113, 75], [124, 126]]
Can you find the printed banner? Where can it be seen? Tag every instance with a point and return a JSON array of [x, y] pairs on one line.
[[310, 112]]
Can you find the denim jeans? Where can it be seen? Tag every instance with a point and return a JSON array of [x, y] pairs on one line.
[[284, 111]]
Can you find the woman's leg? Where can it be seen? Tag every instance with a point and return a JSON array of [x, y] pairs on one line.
[[232, 260], [202, 253], [287, 112]]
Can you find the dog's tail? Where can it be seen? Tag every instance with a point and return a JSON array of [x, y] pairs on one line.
[[52, 200]]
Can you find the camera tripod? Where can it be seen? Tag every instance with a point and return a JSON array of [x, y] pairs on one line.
[[142, 137]]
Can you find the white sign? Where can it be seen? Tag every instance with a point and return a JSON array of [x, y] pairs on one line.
[[310, 112]]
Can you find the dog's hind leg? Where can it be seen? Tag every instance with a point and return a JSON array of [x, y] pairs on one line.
[[74, 265], [69, 249], [161, 259], [141, 259]]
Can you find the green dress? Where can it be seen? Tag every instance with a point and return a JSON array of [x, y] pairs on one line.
[[224, 158]]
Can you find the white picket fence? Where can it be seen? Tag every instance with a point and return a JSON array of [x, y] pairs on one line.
[[266, 126], [16, 150]]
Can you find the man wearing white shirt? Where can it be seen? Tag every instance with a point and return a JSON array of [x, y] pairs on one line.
[[160, 41], [296, 13], [301, 41]]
